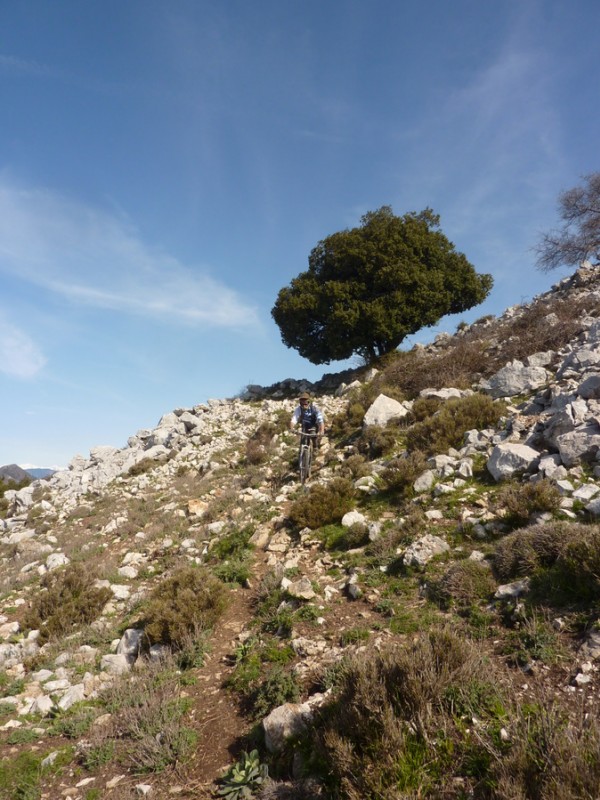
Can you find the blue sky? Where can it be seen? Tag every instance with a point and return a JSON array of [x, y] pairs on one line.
[[166, 167]]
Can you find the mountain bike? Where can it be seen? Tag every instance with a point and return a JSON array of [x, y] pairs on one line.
[[305, 453]]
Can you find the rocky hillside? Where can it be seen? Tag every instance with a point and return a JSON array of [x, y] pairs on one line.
[[181, 617]]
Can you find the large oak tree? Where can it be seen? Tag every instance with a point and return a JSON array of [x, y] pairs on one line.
[[369, 287]]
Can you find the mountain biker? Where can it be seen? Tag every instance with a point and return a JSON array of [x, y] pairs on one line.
[[309, 416]]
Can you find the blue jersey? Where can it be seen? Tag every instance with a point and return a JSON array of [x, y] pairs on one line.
[[309, 417]]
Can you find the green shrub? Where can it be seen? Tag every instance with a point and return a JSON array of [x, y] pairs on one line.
[[354, 467], [462, 584], [322, 504], [447, 427], [534, 639], [259, 678], [20, 777], [68, 598], [280, 686], [522, 501], [376, 441], [338, 537], [400, 474], [425, 407], [231, 556], [188, 602]]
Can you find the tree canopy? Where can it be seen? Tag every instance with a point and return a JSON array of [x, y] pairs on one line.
[[579, 237], [369, 287]]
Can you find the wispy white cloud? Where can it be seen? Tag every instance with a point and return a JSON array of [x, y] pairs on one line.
[[20, 357], [93, 258], [23, 66]]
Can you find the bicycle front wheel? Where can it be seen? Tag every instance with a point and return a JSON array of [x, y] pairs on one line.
[[305, 463]]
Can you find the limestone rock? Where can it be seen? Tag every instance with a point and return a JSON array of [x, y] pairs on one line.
[[383, 410]]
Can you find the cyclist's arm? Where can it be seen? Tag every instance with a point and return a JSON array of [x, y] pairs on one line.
[[295, 419], [320, 423]]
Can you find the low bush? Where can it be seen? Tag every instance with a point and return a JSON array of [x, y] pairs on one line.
[[527, 550], [354, 467], [322, 504], [462, 584], [578, 565], [535, 639], [68, 598], [188, 602], [554, 754], [395, 727], [231, 556], [400, 473], [412, 372], [147, 727], [339, 537], [376, 441], [522, 501], [447, 427], [145, 465], [20, 776], [260, 445], [260, 679]]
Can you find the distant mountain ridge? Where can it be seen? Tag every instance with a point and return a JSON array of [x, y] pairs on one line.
[[40, 472], [13, 472]]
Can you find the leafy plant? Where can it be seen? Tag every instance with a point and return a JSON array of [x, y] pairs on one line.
[[243, 778]]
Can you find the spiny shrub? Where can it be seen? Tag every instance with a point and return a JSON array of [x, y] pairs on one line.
[[400, 473], [375, 441], [462, 584], [413, 525], [424, 407], [260, 445], [67, 599], [348, 421], [188, 602], [280, 686], [354, 467], [322, 504], [527, 550], [578, 565], [145, 465], [448, 426], [395, 727], [522, 501]]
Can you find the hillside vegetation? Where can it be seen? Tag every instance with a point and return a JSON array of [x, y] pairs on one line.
[[181, 618]]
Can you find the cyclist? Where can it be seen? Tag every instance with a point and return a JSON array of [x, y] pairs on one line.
[[309, 416]]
